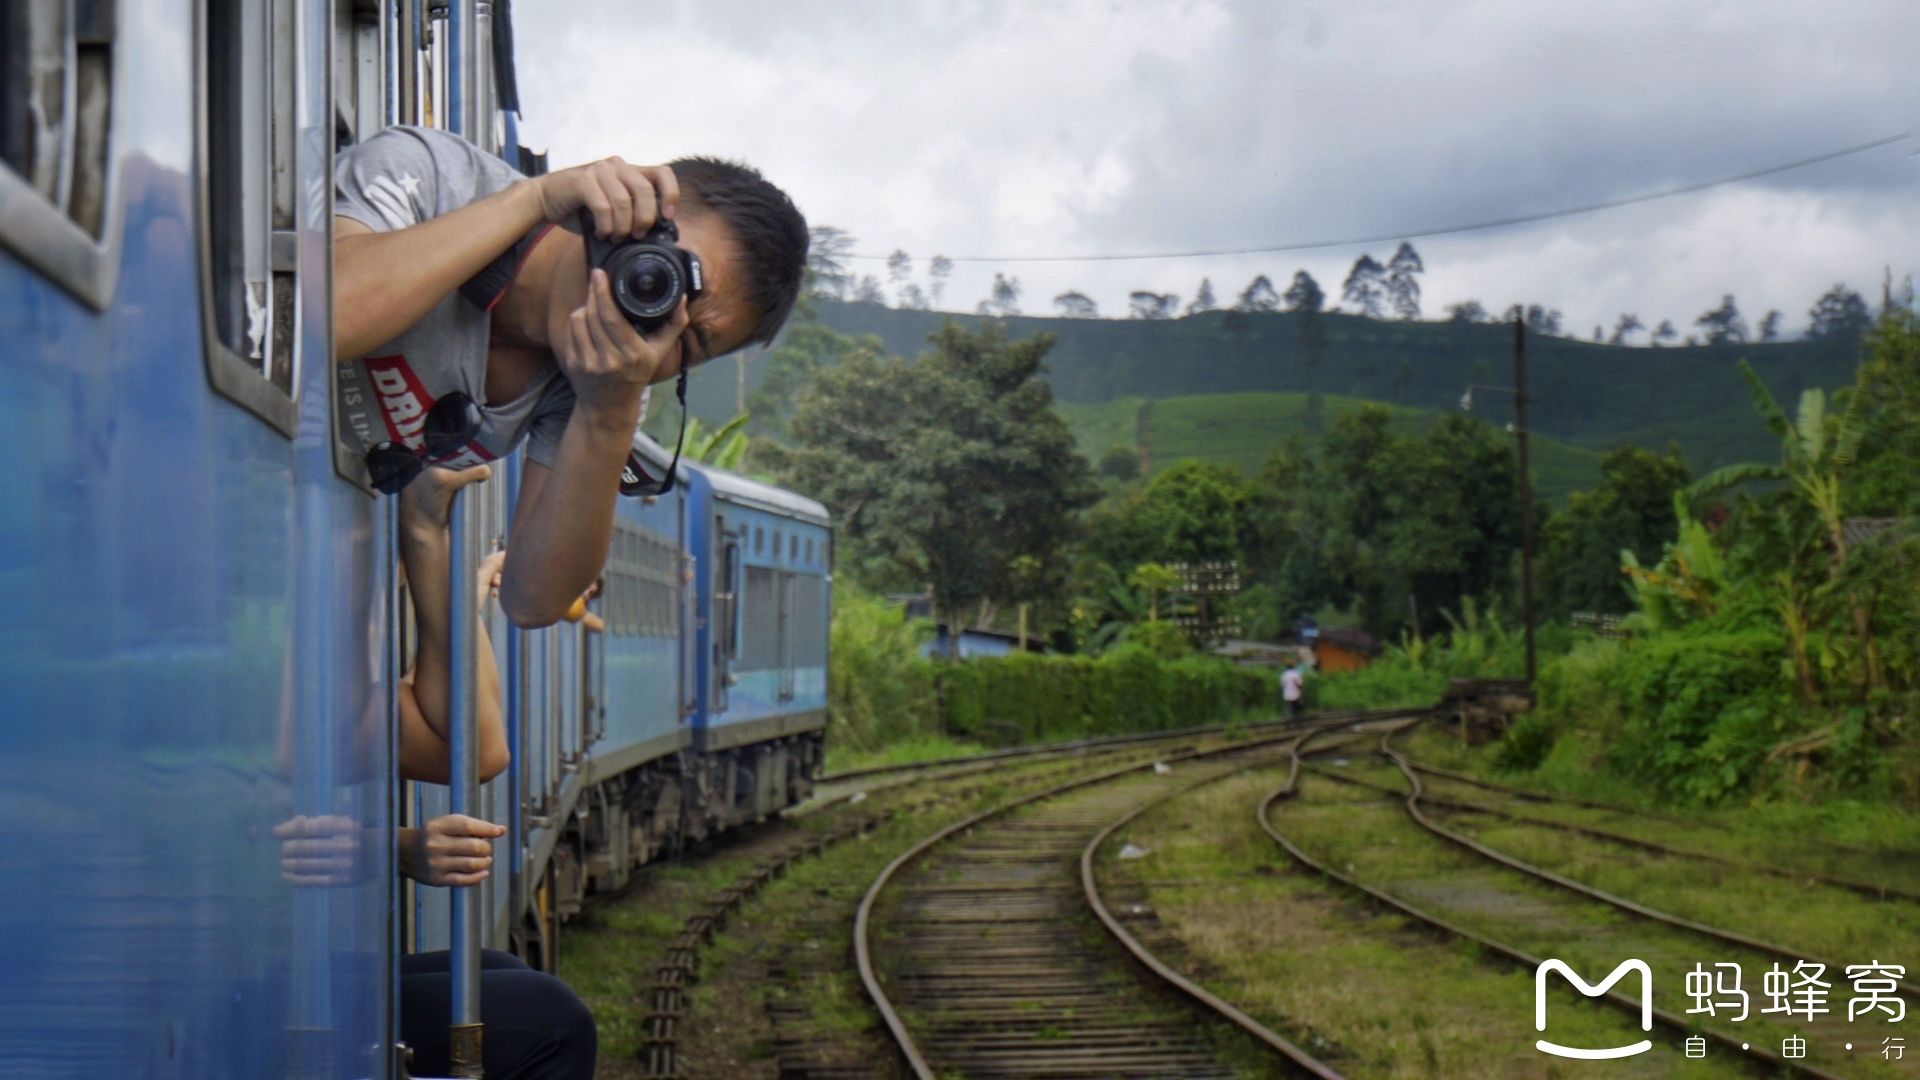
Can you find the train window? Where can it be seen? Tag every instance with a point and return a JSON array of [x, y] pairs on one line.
[[809, 551], [776, 544], [759, 540], [249, 202], [726, 615], [642, 593], [56, 113], [760, 618], [809, 621], [793, 548]]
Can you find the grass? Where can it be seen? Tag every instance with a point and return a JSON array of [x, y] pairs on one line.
[[906, 751], [1365, 990], [1372, 838], [1244, 429]]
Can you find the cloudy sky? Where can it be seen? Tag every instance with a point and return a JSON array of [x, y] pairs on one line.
[[1003, 128]]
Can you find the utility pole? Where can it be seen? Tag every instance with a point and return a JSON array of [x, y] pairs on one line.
[[1520, 400]]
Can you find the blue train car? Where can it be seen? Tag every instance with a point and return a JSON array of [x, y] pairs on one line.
[[192, 658], [203, 628]]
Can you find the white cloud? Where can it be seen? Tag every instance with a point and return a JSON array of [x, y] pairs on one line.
[[1081, 126]]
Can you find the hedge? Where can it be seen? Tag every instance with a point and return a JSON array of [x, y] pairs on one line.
[[1026, 697]]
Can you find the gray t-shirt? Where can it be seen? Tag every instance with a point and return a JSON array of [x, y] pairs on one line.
[[399, 178]]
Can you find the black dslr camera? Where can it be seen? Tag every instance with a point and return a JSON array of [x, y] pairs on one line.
[[648, 275]]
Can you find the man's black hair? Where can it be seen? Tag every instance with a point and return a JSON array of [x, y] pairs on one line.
[[771, 232]]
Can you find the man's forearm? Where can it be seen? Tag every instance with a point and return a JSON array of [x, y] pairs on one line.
[[384, 282], [425, 553], [560, 538]]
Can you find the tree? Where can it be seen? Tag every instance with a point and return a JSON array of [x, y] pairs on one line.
[[1121, 463], [1627, 324], [1258, 296], [1665, 332], [1467, 311], [1542, 321], [1151, 305], [1403, 285], [1004, 299], [1839, 315], [899, 267], [1723, 325], [1156, 580], [1305, 294], [1631, 510], [1202, 298], [913, 298], [805, 349], [1366, 287], [1076, 305], [827, 251], [938, 271], [867, 291], [1305, 300], [1770, 326], [953, 470]]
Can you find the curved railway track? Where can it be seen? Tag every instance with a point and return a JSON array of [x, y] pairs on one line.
[[988, 940], [1564, 916]]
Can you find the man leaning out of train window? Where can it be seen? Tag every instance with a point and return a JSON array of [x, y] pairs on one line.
[[452, 272]]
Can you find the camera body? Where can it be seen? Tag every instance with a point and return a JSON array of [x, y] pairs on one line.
[[648, 275]]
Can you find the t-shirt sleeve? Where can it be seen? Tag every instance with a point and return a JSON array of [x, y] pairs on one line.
[[550, 419], [387, 182], [406, 175]]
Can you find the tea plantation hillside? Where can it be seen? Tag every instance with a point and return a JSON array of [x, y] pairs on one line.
[[1588, 395], [1244, 429]]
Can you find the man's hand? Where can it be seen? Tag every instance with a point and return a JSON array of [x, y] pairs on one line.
[[625, 199], [608, 362], [426, 503], [450, 850]]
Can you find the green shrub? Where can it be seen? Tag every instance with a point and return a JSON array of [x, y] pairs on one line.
[[1027, 697], [880, 690], [1526, 744]]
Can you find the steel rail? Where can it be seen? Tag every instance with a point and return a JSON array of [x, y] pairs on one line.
[[863, 917], [1067, 747], [1089, 884], [1263, 814], [1594, 804], [1621, 902], [1879, 892]]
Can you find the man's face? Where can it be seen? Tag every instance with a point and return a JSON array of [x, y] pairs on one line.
[[720, 320]]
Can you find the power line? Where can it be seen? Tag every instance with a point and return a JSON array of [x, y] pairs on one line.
[[1444, 230]]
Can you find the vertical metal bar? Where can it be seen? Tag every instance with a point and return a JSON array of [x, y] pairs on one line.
[[1520, 400], [462, 84], [463, 784], [406, 61]]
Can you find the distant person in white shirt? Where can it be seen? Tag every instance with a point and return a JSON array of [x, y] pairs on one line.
[[1292, 688]]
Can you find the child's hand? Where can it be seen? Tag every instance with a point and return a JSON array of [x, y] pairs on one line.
[[425, 503], [487, 579]]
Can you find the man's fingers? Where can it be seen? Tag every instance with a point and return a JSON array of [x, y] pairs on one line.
[[621, 337], [666, 187], [621, 200], [463, 879]]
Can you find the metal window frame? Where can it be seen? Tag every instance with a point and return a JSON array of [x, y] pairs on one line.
[[40, 234], [230, 374]]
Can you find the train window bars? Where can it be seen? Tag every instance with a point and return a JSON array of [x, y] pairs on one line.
[[249, 201], [57, 208]]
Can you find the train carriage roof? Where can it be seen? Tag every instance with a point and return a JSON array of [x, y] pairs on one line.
[[736, 488]]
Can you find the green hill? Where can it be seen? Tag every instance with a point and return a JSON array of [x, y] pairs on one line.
[[1586, 395], [1243, 429]]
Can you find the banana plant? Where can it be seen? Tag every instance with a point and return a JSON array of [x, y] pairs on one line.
[[1817, 447], [725, 448]]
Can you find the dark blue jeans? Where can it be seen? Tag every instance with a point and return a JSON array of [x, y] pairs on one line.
[[536, 1027]]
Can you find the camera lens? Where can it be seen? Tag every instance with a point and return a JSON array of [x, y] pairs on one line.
[[646, 282]]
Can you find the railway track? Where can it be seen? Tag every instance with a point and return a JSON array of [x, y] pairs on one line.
[[1496, 902], [989, 968]]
